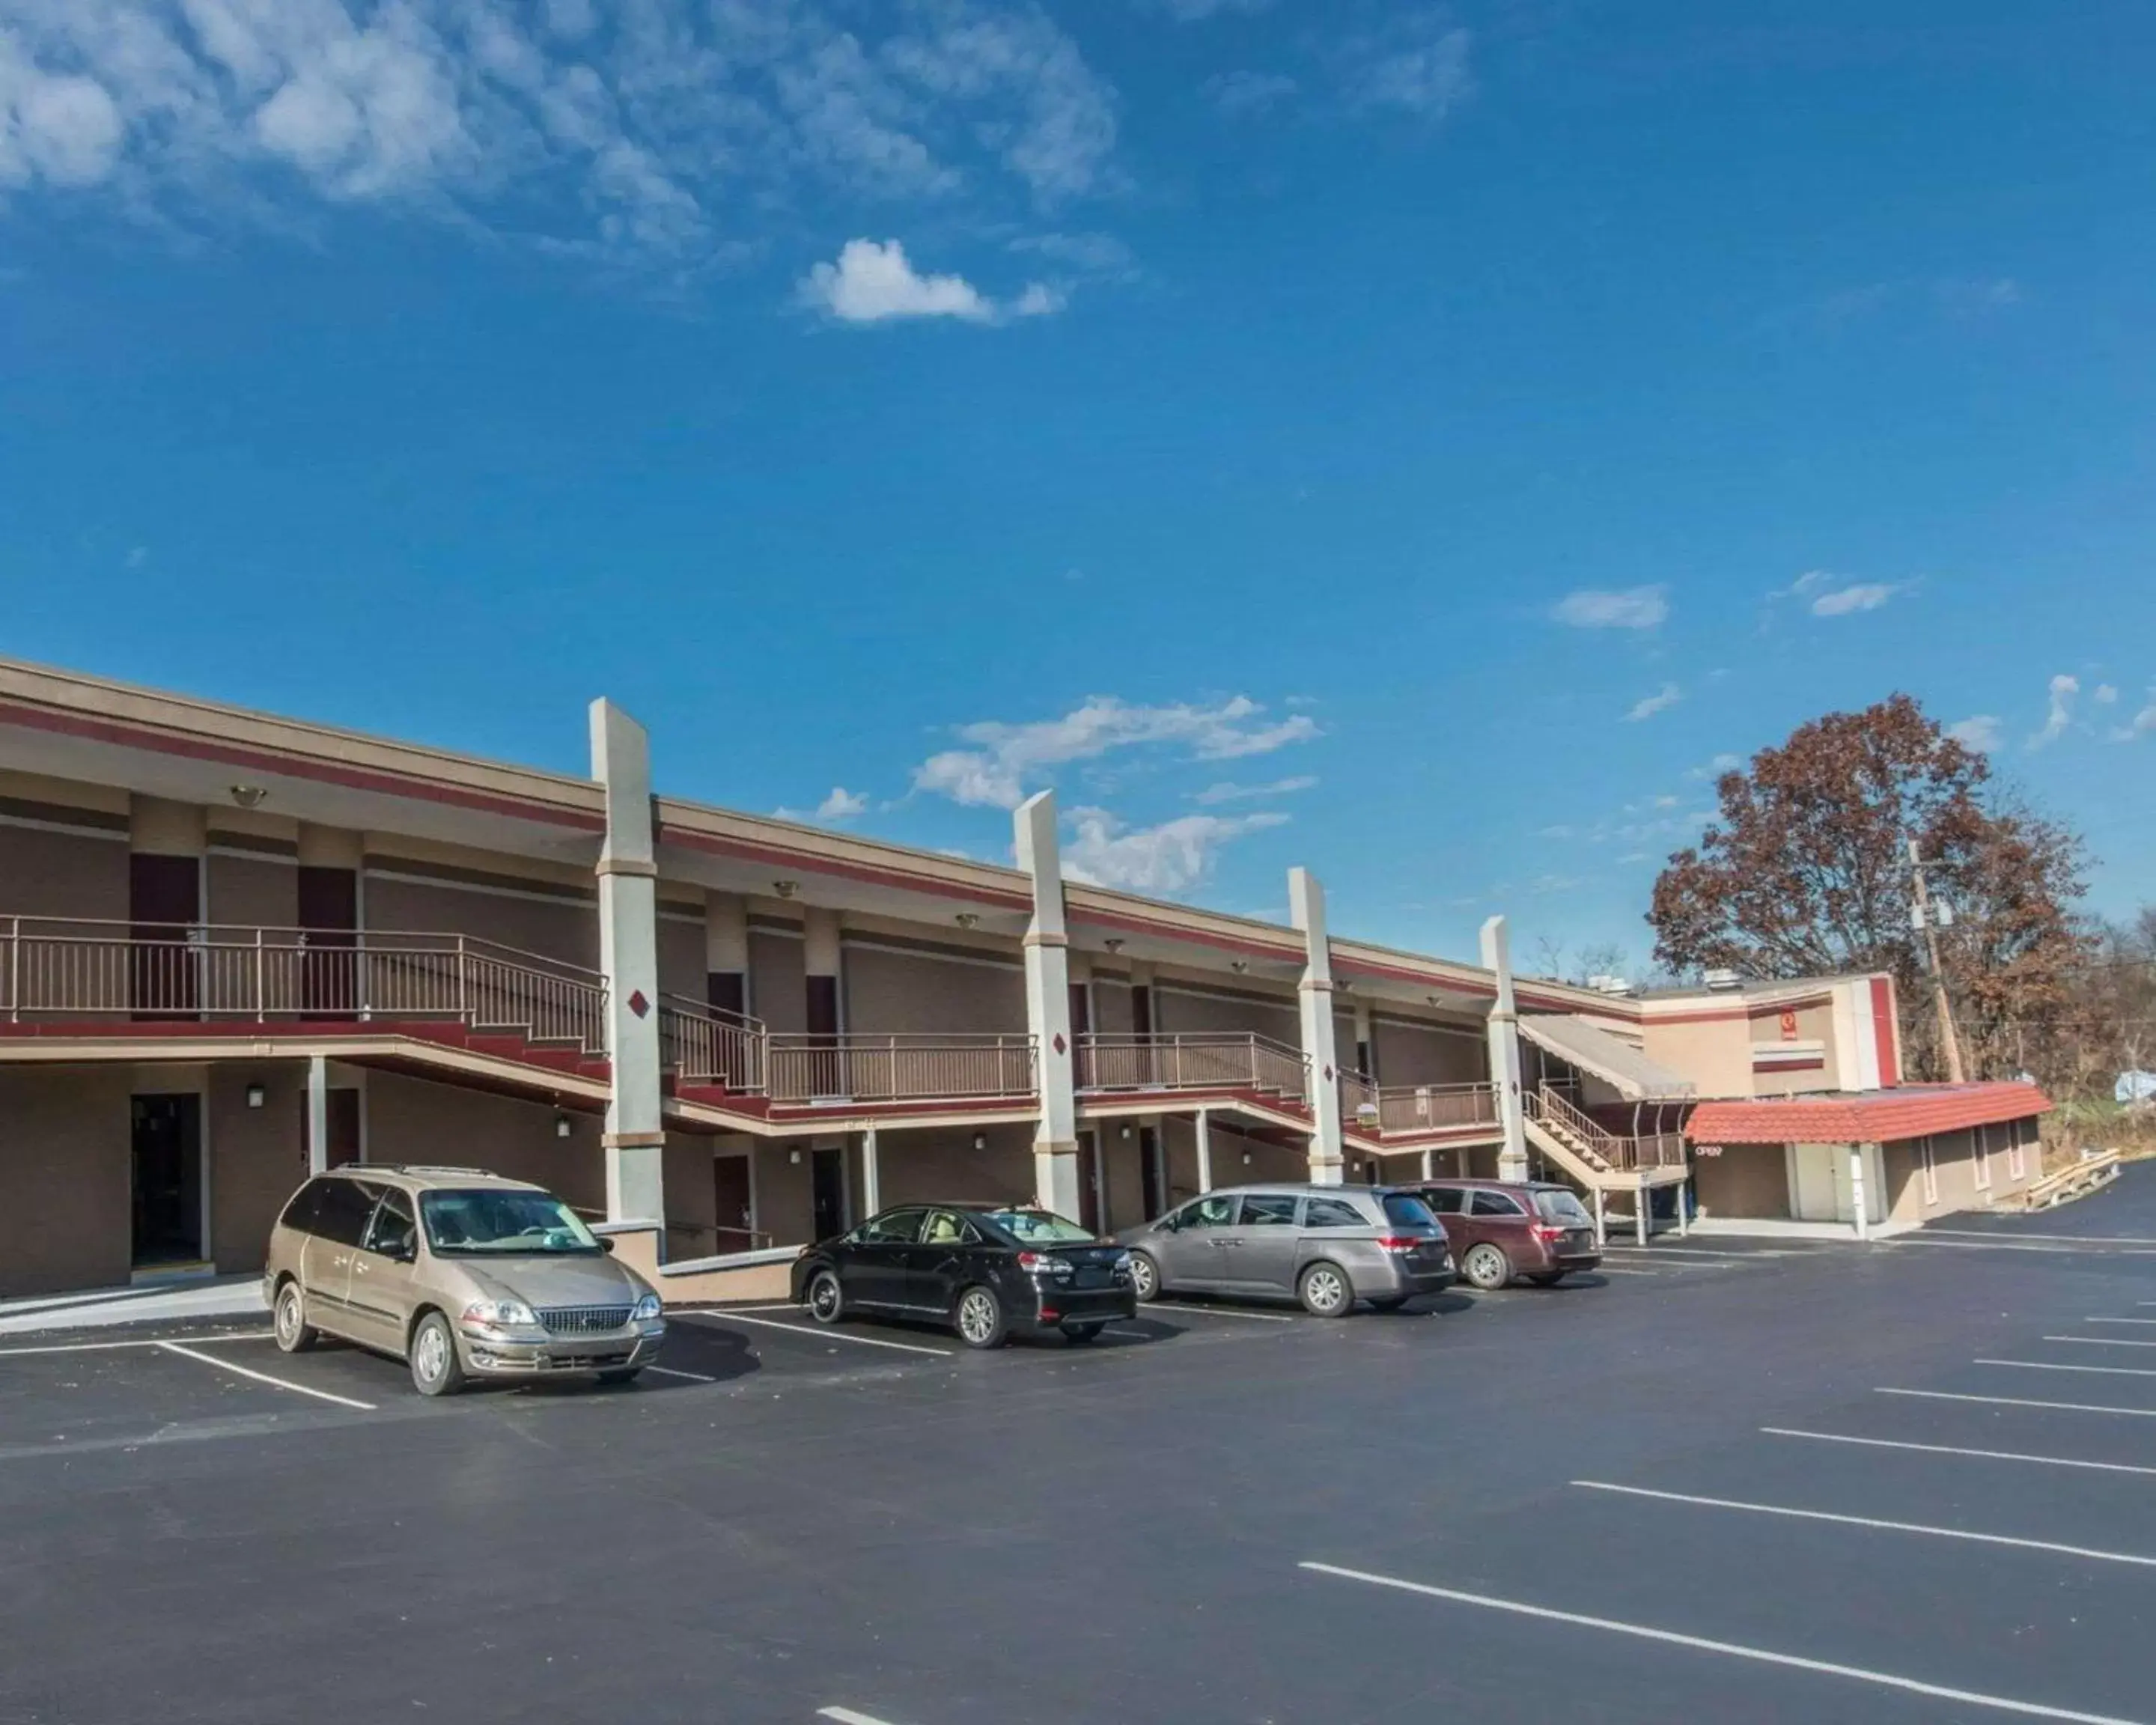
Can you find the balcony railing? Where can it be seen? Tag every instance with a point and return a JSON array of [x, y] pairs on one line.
[[863, 1067], [53, 969], [1435, 1107], [1198, 1060], [708, 1045], [1565, 1120], [1358, 1100]]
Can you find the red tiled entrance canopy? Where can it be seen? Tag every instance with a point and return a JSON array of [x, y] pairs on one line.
[[1909, 1110]]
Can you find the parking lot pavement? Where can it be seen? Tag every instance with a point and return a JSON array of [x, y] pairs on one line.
[[1744, 1493]]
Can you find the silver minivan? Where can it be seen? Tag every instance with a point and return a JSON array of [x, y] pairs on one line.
[[1327, 1247]]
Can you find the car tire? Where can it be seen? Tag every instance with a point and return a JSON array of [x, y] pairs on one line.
[[979, 1318], [1486, 1267], [1390, 1302], [1083, 1332], [436, 1368], [621, 1374], [295, 1334], [1145, 1278], [826, 1298], [1547, 1278], [1325, 1290]]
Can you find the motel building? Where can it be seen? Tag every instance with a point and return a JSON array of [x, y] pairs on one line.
[[235, 948]]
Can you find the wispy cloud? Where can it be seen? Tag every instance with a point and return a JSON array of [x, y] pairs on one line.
[[2105, 695], [1951, 298], [2141, 725], [1169, 858], [1628, 607], [1227, 791], [1982, 731], [1192, 11], [2059, 714], [1247, 92], [877, 283], [1417, 63], [625, 132], [842, 805], [1826, 594], [1714, 768], [1661, 700], [1003, 759]]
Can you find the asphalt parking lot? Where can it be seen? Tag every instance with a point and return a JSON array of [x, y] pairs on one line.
[[1727, 1481]]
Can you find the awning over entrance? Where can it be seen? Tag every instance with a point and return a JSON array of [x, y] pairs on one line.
[[1881, 1117], [1578, 1043]]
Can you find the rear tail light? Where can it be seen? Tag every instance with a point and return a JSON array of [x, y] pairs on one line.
[[1547, 1232], [1400, 1242], [1044, 1264]]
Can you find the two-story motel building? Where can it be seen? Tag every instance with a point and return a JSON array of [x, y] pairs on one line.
[[234, 946]]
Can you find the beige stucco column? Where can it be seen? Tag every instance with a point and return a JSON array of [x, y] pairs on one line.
[[635, 1137], [1306, 901], [1505, 1051], [1048, 1006]]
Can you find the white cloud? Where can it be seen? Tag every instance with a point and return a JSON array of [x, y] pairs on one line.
[[1981, 732], [1818, 591], [1191, 12], [842, 805], [1721, 763], [2140, 725], [1226, 792], [1418, 64], [1664, 698], [875, 283], [1555, 832], [1246, 92], [2105, 695], [1168, 858], [617, 131], [1632, 608], [1004, 758], [2061, 714]]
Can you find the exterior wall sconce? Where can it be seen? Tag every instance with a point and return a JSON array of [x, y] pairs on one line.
[[256, 1096], [1246, 1158], [1127, 1132], [562, 1128], [1239, 965], [980, 1141], [793, 1157], [968, 919], [1114, 943], [786, 889], [248, 796]]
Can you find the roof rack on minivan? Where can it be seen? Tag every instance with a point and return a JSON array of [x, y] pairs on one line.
[[410, 1167]]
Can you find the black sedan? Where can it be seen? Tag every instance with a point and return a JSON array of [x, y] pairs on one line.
[[986, 1270]]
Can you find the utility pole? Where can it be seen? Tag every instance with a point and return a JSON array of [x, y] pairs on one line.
[[1926, 925]]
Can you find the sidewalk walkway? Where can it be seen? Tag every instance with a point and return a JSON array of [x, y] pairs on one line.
[[223, 1296]]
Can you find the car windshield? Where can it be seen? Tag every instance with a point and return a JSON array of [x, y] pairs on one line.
[[1403, 1210], [1040, 1227], [502, 1219], [1562, 1207]]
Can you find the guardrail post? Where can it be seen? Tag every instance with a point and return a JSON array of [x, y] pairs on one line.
[[261, 995], [15, 969]]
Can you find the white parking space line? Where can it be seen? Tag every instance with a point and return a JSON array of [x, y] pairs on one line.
[[1659, 1251], [2101, 1340], [847, 1716], [1835, 1437], [1734, 1649], [1822, 1515], [2119, 1320], [115, 1346], [1130, 1335], [2139, 1239], [669, 1372], [1929, 1239], [1255, 1317], [2015, 1401], [226, 1365], [831, 1334], [2044, 1365]]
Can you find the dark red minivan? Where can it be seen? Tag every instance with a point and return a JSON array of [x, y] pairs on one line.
[[1500, 1229]]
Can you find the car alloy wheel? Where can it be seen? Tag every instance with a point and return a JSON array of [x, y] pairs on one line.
[[980, 1318], [1325, 1291], [1486, 1267], [826, 1300], [1145, 1277], [436, 1370]]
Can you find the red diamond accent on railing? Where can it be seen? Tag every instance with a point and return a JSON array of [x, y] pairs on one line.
[[1060, 1043], [638, 1004]]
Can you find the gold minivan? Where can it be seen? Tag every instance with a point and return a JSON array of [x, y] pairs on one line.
[[459, 1273]]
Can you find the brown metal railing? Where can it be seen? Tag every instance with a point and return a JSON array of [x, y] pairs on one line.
[[1614, 1151], [54, 968], [1198, 1060], [707, 1044], [859, 1066], [1358, 1100], [1433, 1107]]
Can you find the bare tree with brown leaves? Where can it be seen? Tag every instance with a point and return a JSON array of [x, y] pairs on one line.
[[1806, 874]]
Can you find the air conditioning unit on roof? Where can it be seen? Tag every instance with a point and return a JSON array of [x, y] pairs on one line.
[[1724, 981]]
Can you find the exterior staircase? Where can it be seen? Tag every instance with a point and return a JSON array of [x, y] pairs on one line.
[[1598, 1158]]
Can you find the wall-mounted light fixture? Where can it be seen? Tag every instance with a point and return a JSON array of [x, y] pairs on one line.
[[248, 796], [793, 1157], [1239, 965], [980, 1141], [1246, 1158], [562, 1126], [968, 919], [256, 1096], [786, 889], [1127, 1132], [1114, 943]]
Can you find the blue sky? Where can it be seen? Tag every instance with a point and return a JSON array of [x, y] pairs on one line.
[[1414, 441]]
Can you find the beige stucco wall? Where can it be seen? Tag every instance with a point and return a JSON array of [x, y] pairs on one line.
[[65, 1179], [1716, 1054], [416, 1120], [567, 930], [890, 991], [1177, 1010], [45, 874], [779, 988], [1408, 1054], [1747, 1180]]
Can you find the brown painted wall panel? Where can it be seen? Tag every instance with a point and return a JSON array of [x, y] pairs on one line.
[[779, 986], [920, 1167], [785, 1199], [416, 1120], [569, 931], [258, 1157], [60, 875], [247, 892], [1409, 1055], [1750, 1180], [890, 991], [1179, 1011], [681, 958], [65, 1179]]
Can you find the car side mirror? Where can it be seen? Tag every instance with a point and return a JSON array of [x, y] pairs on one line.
[[606, 1244], [405, 1252]]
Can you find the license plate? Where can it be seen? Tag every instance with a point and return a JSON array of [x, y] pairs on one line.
[[1092, 1278]]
